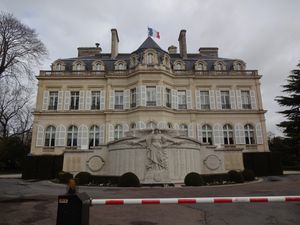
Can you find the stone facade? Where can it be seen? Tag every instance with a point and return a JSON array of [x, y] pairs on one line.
[[86, 102]]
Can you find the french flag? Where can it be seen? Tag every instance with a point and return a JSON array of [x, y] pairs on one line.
[[153, 33]]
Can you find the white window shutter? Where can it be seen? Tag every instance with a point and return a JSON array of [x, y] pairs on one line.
[[60, 100], [259, 135], [40, 136], [158, 95], [212, 102], [239, 134], [174, 102], [101, 134], [232, 99], [141, 125], [67, 100], [199, 132], [125, 128], [88, 100], [138, 96], [198, 100], [143, 95], [218, 134], [81, 100], [127, 99], [218, 99], [163, 97], [111, 99], [102, 100], [191, 130], [45, 100], [60, 135], [176, 126], [238, 99], [83, 137], [189, 99], [110, 132], [253, 99]]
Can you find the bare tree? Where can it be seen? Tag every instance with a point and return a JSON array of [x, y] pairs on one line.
[[15, 111], [20, 48]]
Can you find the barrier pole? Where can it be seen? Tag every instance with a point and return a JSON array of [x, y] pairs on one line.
[[209, 200]]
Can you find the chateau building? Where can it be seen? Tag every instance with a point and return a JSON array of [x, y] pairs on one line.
[[86, 102]]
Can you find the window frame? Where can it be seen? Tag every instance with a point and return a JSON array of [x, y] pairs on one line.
[[73, 140], [50, 142]]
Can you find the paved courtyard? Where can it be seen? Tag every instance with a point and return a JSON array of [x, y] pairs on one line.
[[35, 203]]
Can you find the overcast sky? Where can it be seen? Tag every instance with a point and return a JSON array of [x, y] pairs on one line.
[[265, 34]]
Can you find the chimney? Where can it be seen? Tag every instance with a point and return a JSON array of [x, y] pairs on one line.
[[212, 52], [114, 43], [182, 44], [89, 51], [172, 49]]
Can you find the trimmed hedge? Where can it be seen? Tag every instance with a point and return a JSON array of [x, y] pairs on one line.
[[129, 180], [248, 175], [83, 178], [42, 167], [235, 176], [105, 180], [263, 163], [219, 178], [64, 177], [193, 179]]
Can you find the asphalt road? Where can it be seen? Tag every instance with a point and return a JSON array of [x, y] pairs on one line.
[[35, 203]]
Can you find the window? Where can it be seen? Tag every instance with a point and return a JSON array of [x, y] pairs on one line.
[[225, 99], [249, 134], [118, 132], [53, 95], [99, 66], [95, 100], [133, 97], [151, 125], [78, 66], [120, 66], [94, 134], [50, 136], [182, 99], [132, 126], [170, 126], [72, 136], [150, 59], [246, 102], [204, 99], [74, 100], [207, 134], [178, 66], [168, 97], [228, 134], [119, 95], [219, 66], [151, 96], [184, 128], [199, 66]]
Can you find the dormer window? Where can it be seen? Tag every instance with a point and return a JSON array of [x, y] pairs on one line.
[[238, 65], [98, 66], [200, 65], [150, 59], [219, 65], [166, 61], [178, 65], [58, 66], [78, 66], [133, 61], [120, 65]]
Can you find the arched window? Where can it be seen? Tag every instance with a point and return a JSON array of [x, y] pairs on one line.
[[94, 135], [151, 125], [72, 136], [118, 132], [178, 65], [207, 134], [58, 66], [78, 66], [170, 125], [150, 59], [219, 65], [200, 65], [249, 134], [50, 136], [133, 126], [99, 67], [184, 128], [120, 65], [238, 65], [228, 134]]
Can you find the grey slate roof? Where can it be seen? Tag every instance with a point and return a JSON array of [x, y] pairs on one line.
[[148, 43]]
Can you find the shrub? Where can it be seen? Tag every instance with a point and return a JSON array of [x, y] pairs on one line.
[[219, 178], [83, 178], [235, 176], [64, 177], [129, 180], [248, 175], [193, 179]]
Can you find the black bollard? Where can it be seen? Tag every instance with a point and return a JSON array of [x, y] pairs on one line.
[[73, 208]]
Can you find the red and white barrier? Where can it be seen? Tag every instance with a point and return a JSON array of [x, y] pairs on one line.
[[147, 201]]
